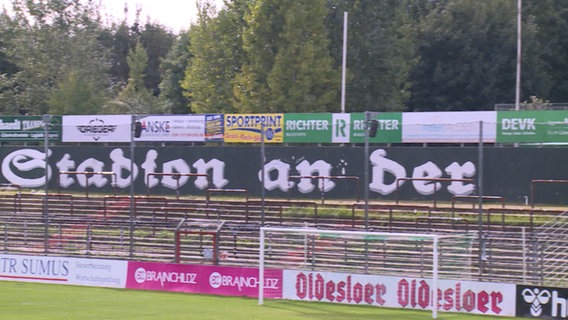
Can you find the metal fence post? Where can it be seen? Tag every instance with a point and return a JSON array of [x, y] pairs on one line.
[[46, 119]]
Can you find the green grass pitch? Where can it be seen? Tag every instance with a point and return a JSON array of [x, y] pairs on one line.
[[35, 301]]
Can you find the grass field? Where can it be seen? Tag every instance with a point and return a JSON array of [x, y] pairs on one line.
[[34, 301]]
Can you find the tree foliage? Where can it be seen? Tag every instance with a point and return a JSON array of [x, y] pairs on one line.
[[287, 65], [173, 68], [53, 43], [76, 94], [380, 51], [303, 78], [60, 58], [157, 41], [468, 56], [135, 98], [550, 44], [216, 58]]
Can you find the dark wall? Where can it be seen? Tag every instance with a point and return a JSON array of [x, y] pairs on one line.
[[506, 171]]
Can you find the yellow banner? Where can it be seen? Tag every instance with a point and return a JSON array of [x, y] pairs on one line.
[[247, 128]]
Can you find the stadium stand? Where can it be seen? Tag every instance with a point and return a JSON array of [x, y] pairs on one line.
[[225, 231]]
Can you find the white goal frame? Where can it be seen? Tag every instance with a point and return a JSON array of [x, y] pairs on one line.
[[314, 231]]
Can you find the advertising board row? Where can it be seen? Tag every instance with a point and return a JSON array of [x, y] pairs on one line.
[[484, 298], [392, 127]]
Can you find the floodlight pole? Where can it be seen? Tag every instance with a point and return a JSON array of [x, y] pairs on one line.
[[519, 54], [344, 62]]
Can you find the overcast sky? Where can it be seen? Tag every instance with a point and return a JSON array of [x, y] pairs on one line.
[[175, 14]]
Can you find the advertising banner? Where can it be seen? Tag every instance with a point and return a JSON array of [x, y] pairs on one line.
[[341, 129], [29, 128], [171, 128], [485, 298], [205, 279], [532, 126], [542, 302], [308, 127], [448, 127], [214, 127], [389, 127], [61, 270], [97, 128], [247, 128]]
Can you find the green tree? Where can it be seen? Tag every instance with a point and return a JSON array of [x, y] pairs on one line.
[[6, 66], [76, 94], [216, 58], [48, 42], [135, 98], [381, 51], [173, 68], [157, 41], [118, 41], [287, 67], [8, 88], [468, 56], [120, 38], [137, 62], [549, 76], [302, 78]]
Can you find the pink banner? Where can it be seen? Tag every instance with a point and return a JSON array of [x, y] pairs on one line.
[[228, 281]]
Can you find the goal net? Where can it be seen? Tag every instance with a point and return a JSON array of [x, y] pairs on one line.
[[325, 264]]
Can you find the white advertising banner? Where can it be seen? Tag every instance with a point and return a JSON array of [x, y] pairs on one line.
[[97, 128], [448, 127], [172, 128], [486, 298], [340, 129], [61, 270]]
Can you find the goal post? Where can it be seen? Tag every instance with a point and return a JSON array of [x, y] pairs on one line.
[[358, 252]]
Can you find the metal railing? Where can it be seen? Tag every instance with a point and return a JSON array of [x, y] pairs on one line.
[[100, 226]]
